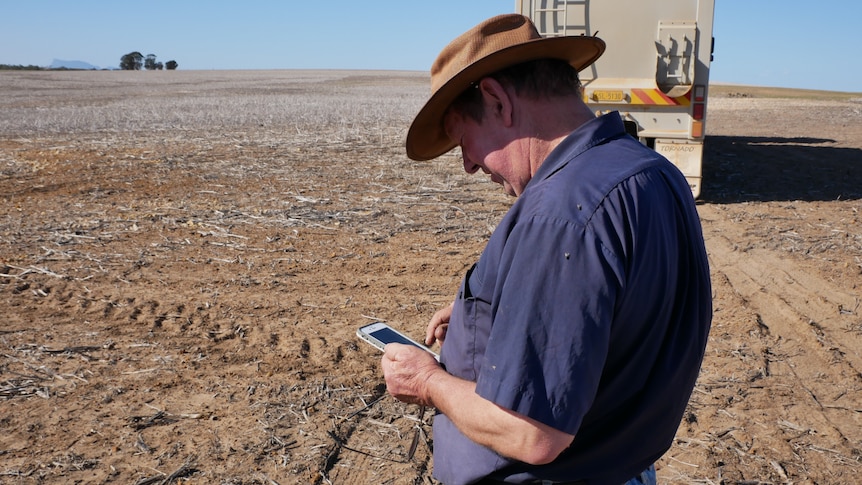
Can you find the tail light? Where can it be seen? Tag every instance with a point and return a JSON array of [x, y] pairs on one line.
[[698, 110]]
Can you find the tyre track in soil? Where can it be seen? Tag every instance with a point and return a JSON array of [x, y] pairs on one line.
[[801, 314]]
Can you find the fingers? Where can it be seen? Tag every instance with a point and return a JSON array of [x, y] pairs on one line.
[[439, 324], [406, 369], [440, 333], [431, 333]]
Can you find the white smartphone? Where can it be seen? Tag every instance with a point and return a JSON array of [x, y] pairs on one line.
[[379, 334]]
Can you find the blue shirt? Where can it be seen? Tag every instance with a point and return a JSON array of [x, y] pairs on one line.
[[588, 311]]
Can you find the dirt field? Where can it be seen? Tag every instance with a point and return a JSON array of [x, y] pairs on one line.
[[185, 256]]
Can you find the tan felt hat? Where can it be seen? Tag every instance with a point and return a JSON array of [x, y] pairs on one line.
[[495, 44]]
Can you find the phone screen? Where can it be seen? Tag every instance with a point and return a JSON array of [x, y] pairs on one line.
[[388, 336], [379, 334]]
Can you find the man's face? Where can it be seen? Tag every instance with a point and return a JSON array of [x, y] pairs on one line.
[[484, 146]]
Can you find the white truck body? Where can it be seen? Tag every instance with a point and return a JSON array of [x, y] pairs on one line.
[[655, 70]]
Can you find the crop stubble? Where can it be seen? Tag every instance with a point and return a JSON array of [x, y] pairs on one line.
[[184, 257]]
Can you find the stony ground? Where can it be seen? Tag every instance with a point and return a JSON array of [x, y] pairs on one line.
[[184, 261]]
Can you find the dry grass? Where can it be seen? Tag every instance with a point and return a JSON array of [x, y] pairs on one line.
[[744, 91], [276, 103], [184, 257]]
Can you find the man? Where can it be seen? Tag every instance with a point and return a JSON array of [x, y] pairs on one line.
[[573, 345]]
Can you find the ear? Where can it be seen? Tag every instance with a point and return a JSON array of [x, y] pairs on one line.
[[497, 100]]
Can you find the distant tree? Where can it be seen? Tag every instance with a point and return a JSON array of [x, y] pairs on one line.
[[150, 62], [132, 61], [171, 65], [159, 66], [9, 67]]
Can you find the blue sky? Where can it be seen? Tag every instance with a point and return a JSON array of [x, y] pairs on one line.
[[786, 43]]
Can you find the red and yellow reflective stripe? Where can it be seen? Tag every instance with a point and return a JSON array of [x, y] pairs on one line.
[[656, 97]]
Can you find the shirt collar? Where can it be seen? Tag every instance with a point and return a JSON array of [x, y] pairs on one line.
[[586, 136]]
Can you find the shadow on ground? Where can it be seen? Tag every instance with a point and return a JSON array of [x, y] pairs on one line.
[[746, 169]]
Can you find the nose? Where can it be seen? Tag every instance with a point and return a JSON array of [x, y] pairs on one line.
[[469, 166]]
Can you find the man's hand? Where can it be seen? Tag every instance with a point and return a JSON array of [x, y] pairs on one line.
[[414, 376], [407, 369], [439, 325]]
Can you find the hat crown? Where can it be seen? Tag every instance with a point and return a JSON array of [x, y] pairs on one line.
[[490, 36], [495, 44]]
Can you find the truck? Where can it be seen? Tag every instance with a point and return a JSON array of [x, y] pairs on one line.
[[655, 69]]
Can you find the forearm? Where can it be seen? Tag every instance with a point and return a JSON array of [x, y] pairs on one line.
[[508, 433], [413, 376]]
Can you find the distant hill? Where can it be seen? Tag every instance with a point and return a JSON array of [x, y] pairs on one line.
[[61, 64]]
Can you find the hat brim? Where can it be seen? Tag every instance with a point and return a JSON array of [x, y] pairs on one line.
[[427, 140]]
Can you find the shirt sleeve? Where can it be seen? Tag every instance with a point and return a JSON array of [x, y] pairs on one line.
[[554, 294]]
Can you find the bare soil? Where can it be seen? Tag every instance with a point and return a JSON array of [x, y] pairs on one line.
[[180, 285]]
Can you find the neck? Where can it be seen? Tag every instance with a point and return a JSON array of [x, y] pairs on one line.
[[546, 123]]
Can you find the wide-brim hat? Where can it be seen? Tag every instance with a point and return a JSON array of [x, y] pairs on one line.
[[495, 44]]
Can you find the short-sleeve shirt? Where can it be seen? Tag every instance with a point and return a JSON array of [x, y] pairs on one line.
[[588, 311]]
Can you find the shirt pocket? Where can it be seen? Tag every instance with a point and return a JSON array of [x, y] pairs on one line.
[[468, 332]]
